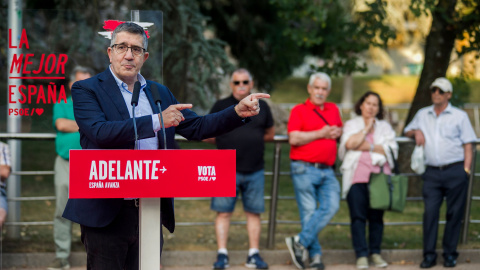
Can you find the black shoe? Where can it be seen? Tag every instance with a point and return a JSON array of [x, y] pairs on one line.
[[297, 251], [316, 263], [222, 261], [450, 261], [428, 262]]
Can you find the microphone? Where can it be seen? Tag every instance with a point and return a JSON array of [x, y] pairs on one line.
[[155, 93], [134, 102], [136, 93], [158, 100]]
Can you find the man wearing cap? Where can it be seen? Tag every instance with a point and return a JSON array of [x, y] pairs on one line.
[[447, 135]]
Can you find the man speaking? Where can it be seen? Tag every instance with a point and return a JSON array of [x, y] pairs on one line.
[[109, 227]]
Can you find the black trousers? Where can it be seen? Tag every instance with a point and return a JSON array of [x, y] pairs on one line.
[[116, 246], [451, 183], [360, 212]]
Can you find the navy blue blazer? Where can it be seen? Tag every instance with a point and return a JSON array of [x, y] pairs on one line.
[[104, 123]]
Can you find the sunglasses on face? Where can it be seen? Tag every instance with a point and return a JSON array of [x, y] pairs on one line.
[[238, 82], [440, 91]]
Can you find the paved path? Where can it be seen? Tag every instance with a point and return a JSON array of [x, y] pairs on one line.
[[277, 259], [463, 266]]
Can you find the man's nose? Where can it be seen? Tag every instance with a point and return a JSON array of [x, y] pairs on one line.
[[129, 54]]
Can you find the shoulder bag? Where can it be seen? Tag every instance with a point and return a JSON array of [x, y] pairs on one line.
[[388, 192]]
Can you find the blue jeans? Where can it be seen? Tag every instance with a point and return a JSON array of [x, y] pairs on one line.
[[314, 186], [251, 185], [3, 198]]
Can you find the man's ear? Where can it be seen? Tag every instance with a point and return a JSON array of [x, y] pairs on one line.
[[109, 52]]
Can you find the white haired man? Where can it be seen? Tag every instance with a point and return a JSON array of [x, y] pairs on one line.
[[313, 128]]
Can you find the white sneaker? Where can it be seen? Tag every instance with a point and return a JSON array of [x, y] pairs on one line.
[[378, 261], [362, 263]]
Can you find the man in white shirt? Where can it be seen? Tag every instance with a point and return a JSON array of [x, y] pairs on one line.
[[447, 135]]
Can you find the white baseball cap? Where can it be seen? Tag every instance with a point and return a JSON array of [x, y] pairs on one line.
[[442, 83]]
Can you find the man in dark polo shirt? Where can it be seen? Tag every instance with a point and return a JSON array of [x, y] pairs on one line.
[[249, 144], [313, 130]]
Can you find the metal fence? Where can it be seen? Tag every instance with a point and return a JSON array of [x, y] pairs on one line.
[[273, 197], [396, 113]]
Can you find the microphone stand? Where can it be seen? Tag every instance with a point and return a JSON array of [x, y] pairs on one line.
[[158, 100], [162, 127], [135, 127], [150, 215], [134, 102]]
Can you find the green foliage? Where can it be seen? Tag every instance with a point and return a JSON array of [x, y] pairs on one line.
[[254, 33], [466, 21], [181, 56], [419, 7], [194, 64], [469, 27], [461, 91], [332, 31]]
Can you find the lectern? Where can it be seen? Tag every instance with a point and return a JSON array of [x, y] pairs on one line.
[[151, 175]]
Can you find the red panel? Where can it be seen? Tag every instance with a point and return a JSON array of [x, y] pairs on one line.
[[152, 173]]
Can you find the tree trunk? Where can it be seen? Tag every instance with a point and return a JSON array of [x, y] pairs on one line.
[[347, 96], [438, 49]]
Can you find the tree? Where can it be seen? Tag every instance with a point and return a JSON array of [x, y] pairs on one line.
[[451, 20], [193, 64], [254, 34], [337, 32]]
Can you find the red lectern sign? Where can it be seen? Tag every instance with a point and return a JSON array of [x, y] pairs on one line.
[[152, 173]]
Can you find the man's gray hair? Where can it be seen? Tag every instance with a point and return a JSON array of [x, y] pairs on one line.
[[132, 28], [241, 70], [79, 69], [321, 76]]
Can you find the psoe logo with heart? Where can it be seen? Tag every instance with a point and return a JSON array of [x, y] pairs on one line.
[[207, 173], [25, 70]]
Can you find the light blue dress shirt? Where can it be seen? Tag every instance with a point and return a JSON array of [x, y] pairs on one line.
[[143, 108], [445, 134]]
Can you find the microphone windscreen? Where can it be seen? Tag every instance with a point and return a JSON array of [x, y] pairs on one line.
[[136, 93], [155, 93]]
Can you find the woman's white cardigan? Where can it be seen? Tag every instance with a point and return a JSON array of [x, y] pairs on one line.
[[383, 135]]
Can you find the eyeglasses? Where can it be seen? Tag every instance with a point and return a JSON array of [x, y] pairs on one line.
[[238, 82], [440, 91], [122, 48]]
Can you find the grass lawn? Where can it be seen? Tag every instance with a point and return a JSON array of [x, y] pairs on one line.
[[333, 237], [39, 238], [39, 155], [393, 89]]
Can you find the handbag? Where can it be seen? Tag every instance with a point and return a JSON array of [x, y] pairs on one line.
[[388, 192], [417, 161]]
